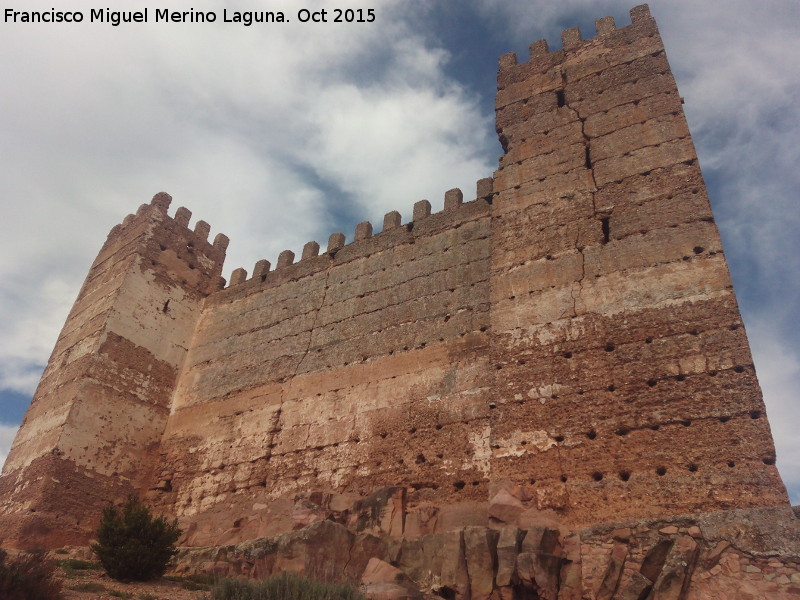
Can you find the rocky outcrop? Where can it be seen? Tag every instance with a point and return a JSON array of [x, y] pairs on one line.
[[749, 554]]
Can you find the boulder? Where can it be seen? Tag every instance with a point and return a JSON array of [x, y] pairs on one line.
[[382, 581], [505, 507]]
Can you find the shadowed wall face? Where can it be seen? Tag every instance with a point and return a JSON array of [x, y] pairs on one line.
[[571, 333]]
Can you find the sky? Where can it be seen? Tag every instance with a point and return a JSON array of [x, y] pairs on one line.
[[281, 133]]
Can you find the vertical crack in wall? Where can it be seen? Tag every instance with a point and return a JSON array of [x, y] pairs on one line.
[[275, 425], [587, 145], [587, 142], [577, 297], [314, 320]]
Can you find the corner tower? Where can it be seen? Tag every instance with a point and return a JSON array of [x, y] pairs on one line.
[[102, 403], [623, 365]]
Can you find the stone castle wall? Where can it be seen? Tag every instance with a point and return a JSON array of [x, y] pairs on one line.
[[569, 338]]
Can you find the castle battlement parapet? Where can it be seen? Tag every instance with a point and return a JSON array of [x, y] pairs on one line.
[[311, 261]]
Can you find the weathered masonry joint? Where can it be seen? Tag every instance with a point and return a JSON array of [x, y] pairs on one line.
[[543, 390]]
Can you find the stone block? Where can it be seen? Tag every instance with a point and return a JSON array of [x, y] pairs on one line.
[[480, 551]]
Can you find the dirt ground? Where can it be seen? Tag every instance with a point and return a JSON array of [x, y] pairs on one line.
[[94, 584]]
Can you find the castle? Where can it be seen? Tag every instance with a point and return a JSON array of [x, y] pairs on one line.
[[511, 377]]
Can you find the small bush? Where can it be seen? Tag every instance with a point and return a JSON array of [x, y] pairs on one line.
[[286, 586], [77, 564], [132, 545], [72, 567], [146, 596], [29, 576], [118, 594]]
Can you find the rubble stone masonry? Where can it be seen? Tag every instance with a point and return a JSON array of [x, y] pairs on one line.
[[549, 384]]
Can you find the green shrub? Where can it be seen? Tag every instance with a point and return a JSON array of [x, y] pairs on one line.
[[73, 566], [132, 545], [286, 586], [77, 564], [28, 576]]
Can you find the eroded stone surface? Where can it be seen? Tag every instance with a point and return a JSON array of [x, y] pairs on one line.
[[653, 559]]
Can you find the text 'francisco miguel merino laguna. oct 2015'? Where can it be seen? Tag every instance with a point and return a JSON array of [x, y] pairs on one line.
[[165, 15]]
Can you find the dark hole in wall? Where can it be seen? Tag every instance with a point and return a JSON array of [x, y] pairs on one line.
[[588, 160], [605, 222], [446, 593], [560, 98]]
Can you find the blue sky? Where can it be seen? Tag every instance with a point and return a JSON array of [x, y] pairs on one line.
[[280, 134]]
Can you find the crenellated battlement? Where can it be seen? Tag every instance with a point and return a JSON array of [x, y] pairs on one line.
[[572, 42], [157, 209], [365, 241], [168, 238]]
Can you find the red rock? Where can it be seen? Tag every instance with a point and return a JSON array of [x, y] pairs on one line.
[[504, 507]]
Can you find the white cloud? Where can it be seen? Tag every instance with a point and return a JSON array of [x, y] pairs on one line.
[[433, 145], [778, 368]]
